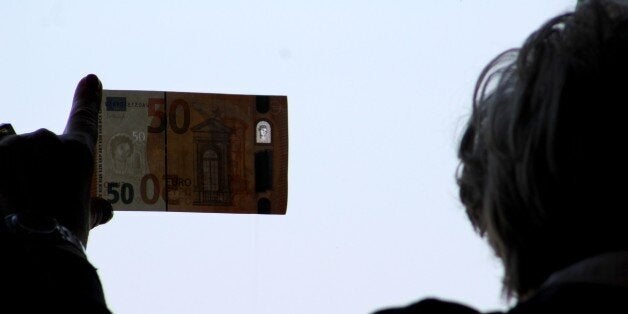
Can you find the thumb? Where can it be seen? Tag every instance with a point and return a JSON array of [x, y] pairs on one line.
[[100, 212]]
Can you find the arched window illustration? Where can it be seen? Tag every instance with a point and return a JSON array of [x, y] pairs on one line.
[[211, 177], [212, 185], [263, 133]]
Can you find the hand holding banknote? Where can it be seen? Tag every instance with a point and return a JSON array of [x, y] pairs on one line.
[[43, 174]]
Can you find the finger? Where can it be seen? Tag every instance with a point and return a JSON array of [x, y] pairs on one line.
[[83, 120], [101, 212], [6, 130]]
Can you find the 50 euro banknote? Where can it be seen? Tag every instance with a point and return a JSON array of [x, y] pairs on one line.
[[192, 152]]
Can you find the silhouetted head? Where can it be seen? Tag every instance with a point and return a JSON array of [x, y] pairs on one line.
[[543, 172]]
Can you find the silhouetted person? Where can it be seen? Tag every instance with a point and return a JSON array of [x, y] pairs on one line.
[[46, 214], [543, 165]]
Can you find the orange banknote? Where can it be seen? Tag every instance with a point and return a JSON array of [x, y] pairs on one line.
[[192, 152]]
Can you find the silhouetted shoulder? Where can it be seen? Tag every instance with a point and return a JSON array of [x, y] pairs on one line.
[[428, 306], [576, 298]]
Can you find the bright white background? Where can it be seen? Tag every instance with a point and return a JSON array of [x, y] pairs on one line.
[[378, 94]]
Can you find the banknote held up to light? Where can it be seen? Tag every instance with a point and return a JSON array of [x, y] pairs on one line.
[[192, 152]]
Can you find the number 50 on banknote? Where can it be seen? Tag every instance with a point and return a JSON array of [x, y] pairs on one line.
[[192, 152]]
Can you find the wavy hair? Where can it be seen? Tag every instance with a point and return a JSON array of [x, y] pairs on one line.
[[543, 169]]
